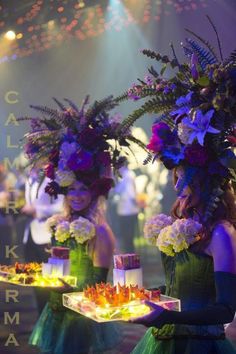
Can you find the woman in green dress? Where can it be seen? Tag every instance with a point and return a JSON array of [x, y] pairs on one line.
[[73, 148], [58, 329], [202, 276], [194, 135]]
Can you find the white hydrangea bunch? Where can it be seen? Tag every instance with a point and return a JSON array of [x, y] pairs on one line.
[[65, 178], [53, 221], [153, 227], [178, 236], [82, 230], [62, 232]]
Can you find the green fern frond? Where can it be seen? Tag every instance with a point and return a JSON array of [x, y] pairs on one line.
[[160, 58], [153, 72], [60, 105], [232, 57], [155, 105], [137, 142], [52, 113], [105, 104], [122, 97], [72, 105], [148, 159], [206, 43], [204, 56]]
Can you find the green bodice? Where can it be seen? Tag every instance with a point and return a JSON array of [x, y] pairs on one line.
[[81, 266], [190, 277]]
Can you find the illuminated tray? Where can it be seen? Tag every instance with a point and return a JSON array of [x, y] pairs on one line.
[[135, 308], [36, 279]]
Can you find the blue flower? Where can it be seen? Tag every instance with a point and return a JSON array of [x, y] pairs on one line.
[[182, 102]]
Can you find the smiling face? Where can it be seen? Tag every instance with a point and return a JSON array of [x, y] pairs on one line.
[[79, 197]]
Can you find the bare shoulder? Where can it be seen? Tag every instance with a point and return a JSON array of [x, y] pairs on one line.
[[224, 231], [223, 247], [104, 235], [104, 246]]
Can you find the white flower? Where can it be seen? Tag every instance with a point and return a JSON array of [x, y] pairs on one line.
[[184, 133], [53, 221], [82, 230], [65, 178], [178, 236], [62, 231], [154, 225]]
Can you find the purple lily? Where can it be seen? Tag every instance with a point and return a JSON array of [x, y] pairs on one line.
[[200, 125]]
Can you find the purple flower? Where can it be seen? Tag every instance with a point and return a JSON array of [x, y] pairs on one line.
[[104, 158], [89, 138], [196, 155], [81, 160], [183, 103], [101, 186], [149, 80], [200, 125], [133, 93], [53, 189]]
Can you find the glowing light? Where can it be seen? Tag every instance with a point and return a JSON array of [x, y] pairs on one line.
[[19, 35], [81, 4], [10, 35], [51, 24]]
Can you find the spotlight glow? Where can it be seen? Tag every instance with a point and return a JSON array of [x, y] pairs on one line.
[[10, 35]]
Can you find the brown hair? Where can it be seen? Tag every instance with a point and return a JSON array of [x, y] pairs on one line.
[[225, 210]]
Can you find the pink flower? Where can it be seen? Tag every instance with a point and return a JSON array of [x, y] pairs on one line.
[[155, 144]]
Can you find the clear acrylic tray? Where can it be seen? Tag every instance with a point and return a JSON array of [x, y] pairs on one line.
[[135, 308], [36, 279]]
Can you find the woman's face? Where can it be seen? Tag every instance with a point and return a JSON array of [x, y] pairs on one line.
[[79, 196]]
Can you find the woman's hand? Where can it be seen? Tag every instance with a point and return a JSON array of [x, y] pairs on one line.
[[148, 319]]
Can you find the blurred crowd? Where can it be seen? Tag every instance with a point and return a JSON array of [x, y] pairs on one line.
[[24, 207]]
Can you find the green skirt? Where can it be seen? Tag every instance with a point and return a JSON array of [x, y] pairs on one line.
[[66, 332], [150, 345]]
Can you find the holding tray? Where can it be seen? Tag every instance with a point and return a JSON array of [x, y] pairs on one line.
[[105, 311], [31, 275]]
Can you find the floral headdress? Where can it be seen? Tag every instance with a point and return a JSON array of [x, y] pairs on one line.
[[197, 114], [74, 143]]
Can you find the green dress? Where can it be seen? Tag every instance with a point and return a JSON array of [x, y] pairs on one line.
[[189, 277], [62, 331]]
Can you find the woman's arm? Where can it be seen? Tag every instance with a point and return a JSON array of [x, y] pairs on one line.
[[103, 247], [223, 250], [102, 253]]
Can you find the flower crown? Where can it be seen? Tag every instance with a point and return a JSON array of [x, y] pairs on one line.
[[197, 114], [72, 144]]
